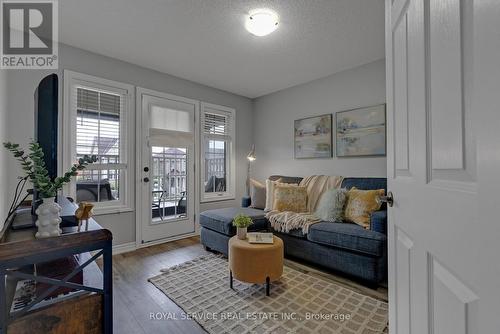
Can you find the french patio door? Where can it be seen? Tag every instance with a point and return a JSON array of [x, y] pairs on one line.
[[166, 171], [443, 165]]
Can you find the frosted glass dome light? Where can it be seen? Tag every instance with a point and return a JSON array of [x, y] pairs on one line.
[[262, 22]]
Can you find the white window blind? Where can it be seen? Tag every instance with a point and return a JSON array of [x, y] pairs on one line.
[[98, 125], [217, 125], [170, 119]]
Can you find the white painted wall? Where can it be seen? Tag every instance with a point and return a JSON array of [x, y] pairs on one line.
[[274, 115], [4, 197], [22, 84], [268, 119]]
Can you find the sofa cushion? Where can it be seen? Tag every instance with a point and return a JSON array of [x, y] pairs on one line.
[[365, 183], [286, 179], [297, 232], [221, 220], [378, 221], [348, 236]]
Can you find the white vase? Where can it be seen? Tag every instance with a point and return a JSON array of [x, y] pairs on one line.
[[48, 219], [241, 232]]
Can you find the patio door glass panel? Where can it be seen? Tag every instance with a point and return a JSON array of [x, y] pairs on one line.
[[169, 183]]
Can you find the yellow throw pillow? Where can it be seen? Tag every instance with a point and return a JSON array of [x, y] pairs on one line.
[[361, 204], [270, 186], [290, 198]]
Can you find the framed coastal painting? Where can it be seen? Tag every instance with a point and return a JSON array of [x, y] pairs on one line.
[[361, 132], [313, 137]]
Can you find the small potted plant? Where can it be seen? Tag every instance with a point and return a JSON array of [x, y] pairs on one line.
[[33, 165], [242, 222]]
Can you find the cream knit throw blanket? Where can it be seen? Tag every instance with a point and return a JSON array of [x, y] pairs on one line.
[[316, 185]]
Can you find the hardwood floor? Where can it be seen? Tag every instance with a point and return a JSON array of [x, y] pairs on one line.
[[135, 298]]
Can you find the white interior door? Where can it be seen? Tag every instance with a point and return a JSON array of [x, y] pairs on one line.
[[444, 239], [166, 171]]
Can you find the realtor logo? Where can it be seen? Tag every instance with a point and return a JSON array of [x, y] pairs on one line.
[[29, 34]]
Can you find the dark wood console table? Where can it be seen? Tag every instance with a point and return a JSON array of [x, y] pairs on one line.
[[87, 309]]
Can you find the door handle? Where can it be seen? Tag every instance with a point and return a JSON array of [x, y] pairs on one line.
[[146, 179], [389, 199]]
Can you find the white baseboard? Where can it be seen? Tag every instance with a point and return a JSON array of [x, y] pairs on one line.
[[124, 248], [162, 241], [132, 246]]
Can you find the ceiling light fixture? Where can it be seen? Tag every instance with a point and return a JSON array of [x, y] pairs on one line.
[[262, 22]]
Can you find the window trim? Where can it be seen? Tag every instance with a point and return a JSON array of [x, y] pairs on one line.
[[230, 193], [71, 78]]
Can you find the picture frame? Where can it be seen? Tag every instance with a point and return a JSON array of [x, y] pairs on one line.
[[361, 132], [313, 137]]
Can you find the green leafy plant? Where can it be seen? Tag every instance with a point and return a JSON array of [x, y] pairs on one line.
[[33, 165], [242, 221]]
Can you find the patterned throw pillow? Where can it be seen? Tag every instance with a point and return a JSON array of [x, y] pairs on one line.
[[290, 198], [257, 194], [331, 205], [361, 204]]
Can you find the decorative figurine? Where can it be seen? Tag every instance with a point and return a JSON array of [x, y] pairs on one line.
[[84, 212]]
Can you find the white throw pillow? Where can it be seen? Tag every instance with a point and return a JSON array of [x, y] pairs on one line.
[[257, 194], [269, 195]]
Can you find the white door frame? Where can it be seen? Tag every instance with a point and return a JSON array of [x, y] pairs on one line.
[[140, 91]]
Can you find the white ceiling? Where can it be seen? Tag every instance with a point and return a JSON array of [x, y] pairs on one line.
[[205, 40]]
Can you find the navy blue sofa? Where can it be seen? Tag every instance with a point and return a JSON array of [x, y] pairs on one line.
[[342, 247]]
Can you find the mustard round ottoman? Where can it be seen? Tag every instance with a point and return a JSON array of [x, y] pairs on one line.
[[255, 263]]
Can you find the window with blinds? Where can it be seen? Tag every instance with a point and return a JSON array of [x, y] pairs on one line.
[[98, 133], [216, 125], [97, 121], [216, 141]]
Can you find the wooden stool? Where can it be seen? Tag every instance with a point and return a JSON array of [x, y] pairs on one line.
[[255, 263]]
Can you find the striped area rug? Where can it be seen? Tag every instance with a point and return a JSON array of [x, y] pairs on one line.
[[299, 303]]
